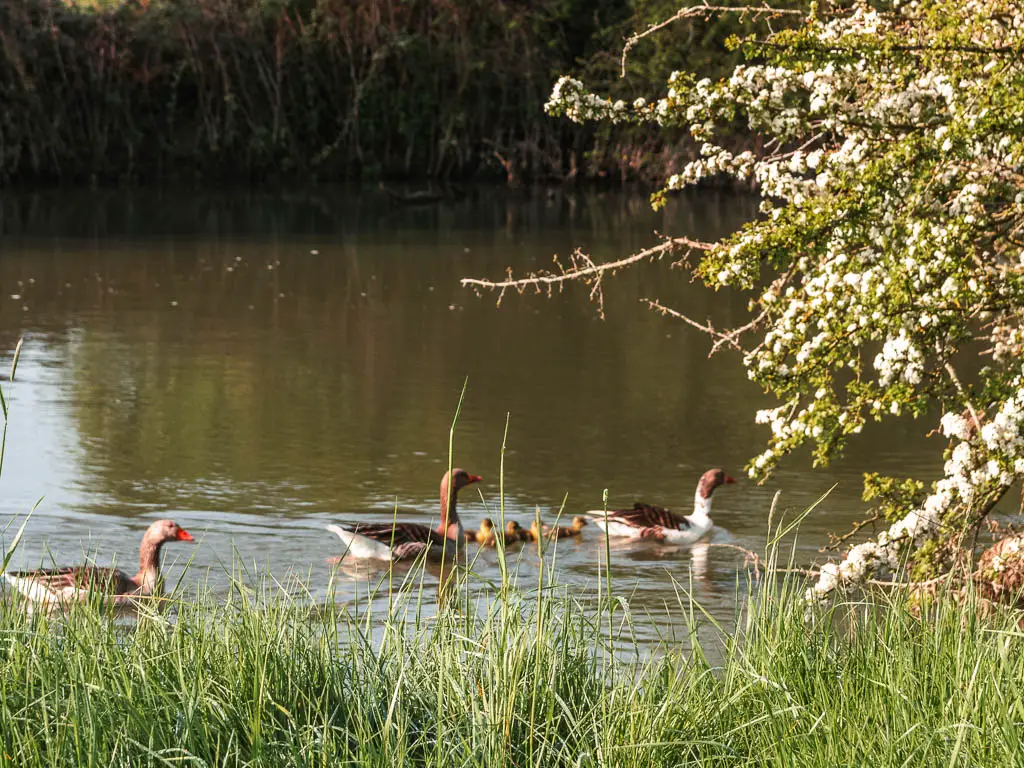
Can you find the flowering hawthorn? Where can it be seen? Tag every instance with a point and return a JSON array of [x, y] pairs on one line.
[[892, 242]]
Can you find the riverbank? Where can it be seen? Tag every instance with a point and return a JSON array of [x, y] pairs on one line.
[[524, 680], [258, 90]]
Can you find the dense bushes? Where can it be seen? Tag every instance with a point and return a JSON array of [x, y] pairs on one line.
[[251, 89]]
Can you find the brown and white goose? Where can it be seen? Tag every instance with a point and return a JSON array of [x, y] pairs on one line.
[[53, 586], [406, 541], [649, 521]]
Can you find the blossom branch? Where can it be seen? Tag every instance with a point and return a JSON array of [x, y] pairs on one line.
[[1002, 50], [892, 208]]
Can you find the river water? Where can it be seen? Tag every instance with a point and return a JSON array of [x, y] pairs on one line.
[[256, 365]]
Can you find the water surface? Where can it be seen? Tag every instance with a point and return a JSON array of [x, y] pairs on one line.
[[257, 365]]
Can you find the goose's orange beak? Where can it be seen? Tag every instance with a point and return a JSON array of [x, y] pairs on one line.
[[474, 479], [730, 479], [184, 535]]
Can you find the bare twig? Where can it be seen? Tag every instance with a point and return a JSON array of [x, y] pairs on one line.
[[730, 337], [800, 571], [749, 556], [910, 584], [721, 338], [963, 393], [583, 269], [705, 10], [837, 542]]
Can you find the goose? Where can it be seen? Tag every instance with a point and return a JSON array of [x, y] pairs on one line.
[[406, 541], [54, 586], [648, 521]]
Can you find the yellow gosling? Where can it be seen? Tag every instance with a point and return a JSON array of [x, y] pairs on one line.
[[560, 532], [485, 536], [515, 532]]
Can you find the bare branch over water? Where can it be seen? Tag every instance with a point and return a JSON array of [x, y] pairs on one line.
[[581, 268]]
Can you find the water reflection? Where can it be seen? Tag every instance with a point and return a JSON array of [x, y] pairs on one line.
[[258, 364]]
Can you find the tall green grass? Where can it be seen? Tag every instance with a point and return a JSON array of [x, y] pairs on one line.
[[506, 677], [454, 670]]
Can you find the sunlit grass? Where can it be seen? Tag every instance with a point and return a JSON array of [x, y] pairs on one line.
[[512, 678], [473, 673]]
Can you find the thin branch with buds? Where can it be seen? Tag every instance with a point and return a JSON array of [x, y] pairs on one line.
[[582, 268], [721, 338], [963, 393], [748, 556], [837, 541], [706, 11]]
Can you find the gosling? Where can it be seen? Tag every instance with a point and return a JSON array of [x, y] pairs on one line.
[[561, 532]]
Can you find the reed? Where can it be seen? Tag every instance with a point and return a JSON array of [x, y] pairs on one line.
[[244, 89], [248, 90]]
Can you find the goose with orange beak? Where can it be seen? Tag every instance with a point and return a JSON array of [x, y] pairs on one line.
[[650, 522], [407, 541], [54, 586]]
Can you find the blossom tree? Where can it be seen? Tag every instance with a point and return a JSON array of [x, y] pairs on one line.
[[890, 252]]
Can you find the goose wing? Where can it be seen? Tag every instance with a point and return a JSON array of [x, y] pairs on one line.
[[74, 581], [649, 516], [396, 535]]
